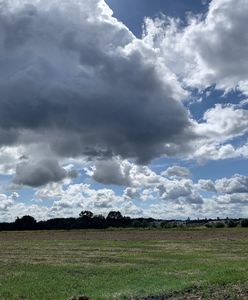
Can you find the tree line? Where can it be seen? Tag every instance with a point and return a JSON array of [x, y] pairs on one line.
[[87, 220]]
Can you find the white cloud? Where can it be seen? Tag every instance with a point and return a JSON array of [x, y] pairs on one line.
[[51, 190], [131, 193], [207, 185], [177, 172], [222, 123], [145, 184], [210, 50], [122, 172], [166, 198], [7, 201], [236, 184], [235, 198], [216, 131], [9, 158], [130, 209], [76, 197]]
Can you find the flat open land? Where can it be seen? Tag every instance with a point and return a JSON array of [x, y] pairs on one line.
[[125, 264]]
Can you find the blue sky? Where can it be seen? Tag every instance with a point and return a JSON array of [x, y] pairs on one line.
[[136, 105], [133, 12]]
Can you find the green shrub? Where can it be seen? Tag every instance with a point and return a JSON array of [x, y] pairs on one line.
[[219, 224], [231, 223], [244, 223], [209, 225], [165, 224]]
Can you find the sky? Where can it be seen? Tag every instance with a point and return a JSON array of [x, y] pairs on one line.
[[138, 106]]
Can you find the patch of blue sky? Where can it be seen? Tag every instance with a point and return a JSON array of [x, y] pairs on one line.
[[26, 194], [208, 170], [28, 197], [161, 164], [5, 178], [201, 102], [219, 169], [116, 188], [133, 12], [207, 195], [239, 141]]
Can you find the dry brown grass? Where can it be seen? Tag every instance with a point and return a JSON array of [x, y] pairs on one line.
[[130, 235]]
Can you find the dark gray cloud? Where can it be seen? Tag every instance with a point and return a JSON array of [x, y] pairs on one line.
[[112, 172], [75, 78], [41, 172]]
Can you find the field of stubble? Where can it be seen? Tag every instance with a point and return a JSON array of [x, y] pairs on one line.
[[125, 264]]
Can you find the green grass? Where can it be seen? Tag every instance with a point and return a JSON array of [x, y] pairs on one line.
[[50, 269]]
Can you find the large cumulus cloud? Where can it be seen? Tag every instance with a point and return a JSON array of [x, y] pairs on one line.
[[75, 78]]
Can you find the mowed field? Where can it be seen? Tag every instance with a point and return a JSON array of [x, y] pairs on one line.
[[124, 264]]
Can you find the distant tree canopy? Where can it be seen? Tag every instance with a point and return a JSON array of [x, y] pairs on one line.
[[86, 214], [87, 220], [26, 222], [244, 223], [114, 215]]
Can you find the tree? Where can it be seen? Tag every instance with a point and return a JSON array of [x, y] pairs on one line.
[[99, 221], [244, 223], [86, 214], [26, 222], [115, 219], [114, 215], [231, 223]]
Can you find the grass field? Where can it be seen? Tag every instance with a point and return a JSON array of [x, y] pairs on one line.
[[119, 263]]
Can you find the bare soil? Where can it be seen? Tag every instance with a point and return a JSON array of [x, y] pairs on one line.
[[195, 294], [224, 293]]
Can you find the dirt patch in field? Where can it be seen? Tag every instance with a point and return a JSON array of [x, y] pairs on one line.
[[122, 235], [224, 293], [217, 293]]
